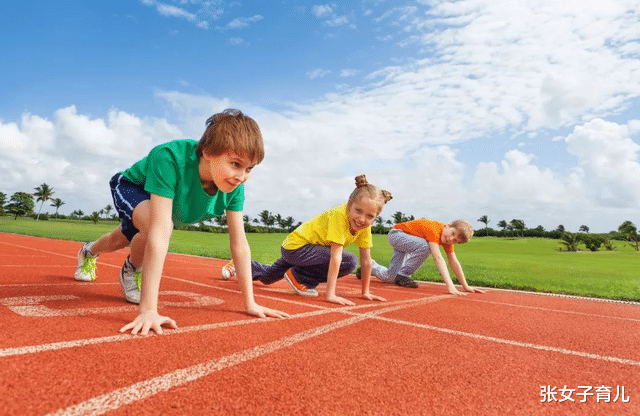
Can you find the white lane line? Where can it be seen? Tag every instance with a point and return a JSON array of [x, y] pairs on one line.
[[144, 389], [591, 315], [513, 343], [55, 346]]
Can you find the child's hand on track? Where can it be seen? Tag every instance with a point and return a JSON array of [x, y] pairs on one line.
[[262, 312], [150, 320], [339, 300], [455, 291], [473, 290], [369, 296]]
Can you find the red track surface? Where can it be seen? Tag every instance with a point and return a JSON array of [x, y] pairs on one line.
[[423, 352]]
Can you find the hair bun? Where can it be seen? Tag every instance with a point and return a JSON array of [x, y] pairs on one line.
[[361, 180], [388, 196]]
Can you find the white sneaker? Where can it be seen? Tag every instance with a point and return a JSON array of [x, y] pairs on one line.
[[131, 281], [228, 270], [86, 270]]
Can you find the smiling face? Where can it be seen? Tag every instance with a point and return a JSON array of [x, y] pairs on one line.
[[450, 235], [224, 172], [362, 213]]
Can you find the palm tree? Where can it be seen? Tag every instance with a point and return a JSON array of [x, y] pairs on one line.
[[484, 219], [43, 193], [503, 224], [584, 228], [57, 203], [517, 225], [107, 210], [570, 241], [266, 218]]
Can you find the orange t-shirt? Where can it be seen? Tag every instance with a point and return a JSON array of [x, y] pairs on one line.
[[430, 230]]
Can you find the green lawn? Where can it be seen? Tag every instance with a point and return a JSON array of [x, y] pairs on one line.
[[531, 264]]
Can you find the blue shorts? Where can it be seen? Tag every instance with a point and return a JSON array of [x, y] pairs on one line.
[[126, 196]]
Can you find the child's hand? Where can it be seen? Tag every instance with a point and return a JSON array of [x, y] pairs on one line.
[[369, 296], [473, 290], [262, 312], [339, 300], [455, 291], [149, 320]]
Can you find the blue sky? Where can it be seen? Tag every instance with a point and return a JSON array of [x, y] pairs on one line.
[[505, 108]]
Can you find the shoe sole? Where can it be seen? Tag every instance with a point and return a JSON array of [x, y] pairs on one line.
[[310, 293]]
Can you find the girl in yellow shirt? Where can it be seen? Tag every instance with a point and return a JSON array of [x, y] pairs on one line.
[[314, 252]]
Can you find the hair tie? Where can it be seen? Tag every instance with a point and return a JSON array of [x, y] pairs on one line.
[[361, 180]]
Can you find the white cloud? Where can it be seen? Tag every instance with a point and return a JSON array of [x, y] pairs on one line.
[[318, 73], [76, 154], [205, 11], [241, 22], [322, 10], [607, 162]]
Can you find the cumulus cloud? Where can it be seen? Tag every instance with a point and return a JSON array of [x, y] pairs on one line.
[[607, 162], [76, 154]]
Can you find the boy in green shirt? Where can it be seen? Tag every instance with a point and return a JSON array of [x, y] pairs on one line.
[[180, 182]]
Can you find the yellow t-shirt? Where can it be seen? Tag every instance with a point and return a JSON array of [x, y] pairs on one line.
[[331, 226]]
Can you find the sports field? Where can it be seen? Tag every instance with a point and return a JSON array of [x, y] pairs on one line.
[[423, 352], [531, 264]]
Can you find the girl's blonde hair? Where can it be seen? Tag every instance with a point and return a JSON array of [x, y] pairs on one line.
[[231, 130], [365, 189]]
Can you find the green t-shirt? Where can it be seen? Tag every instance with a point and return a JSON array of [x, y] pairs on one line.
[[171, 170], [331, 226]]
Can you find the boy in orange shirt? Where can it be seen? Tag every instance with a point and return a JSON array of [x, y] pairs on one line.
[[413, 242]]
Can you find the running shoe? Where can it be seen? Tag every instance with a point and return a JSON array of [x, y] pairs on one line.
[[299, 287], [228, 270], [405, 281], [86, 270], [131, 281]]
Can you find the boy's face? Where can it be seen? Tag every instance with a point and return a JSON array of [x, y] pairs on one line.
[[449, 235], [226, 171], [362, 213]]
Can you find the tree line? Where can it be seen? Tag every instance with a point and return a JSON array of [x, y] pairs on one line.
[[24, 203]]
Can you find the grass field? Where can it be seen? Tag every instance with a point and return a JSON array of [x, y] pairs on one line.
[[529, 263]]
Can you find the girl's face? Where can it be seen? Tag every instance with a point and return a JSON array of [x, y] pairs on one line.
[[362, 213], [224, 172]]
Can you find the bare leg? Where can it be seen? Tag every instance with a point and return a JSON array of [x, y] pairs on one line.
[[141, 220], [109, 242]]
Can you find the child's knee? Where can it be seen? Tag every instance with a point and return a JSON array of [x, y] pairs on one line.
[[349, 261]]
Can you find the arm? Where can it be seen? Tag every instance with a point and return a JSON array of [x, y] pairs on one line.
[[332, 276], [241, 254], [365, 274], [442, 268], [457, 270], [155, 251]]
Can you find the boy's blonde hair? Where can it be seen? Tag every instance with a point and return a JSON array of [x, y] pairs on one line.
[[365, 189], [464, 230], [231, 130]]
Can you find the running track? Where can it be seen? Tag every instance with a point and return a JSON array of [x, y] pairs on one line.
[[423, 352]]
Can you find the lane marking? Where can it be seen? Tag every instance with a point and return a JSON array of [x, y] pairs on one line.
[[514, 305], [31, 306], [513, 343], [55, 346], [145, 389]]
